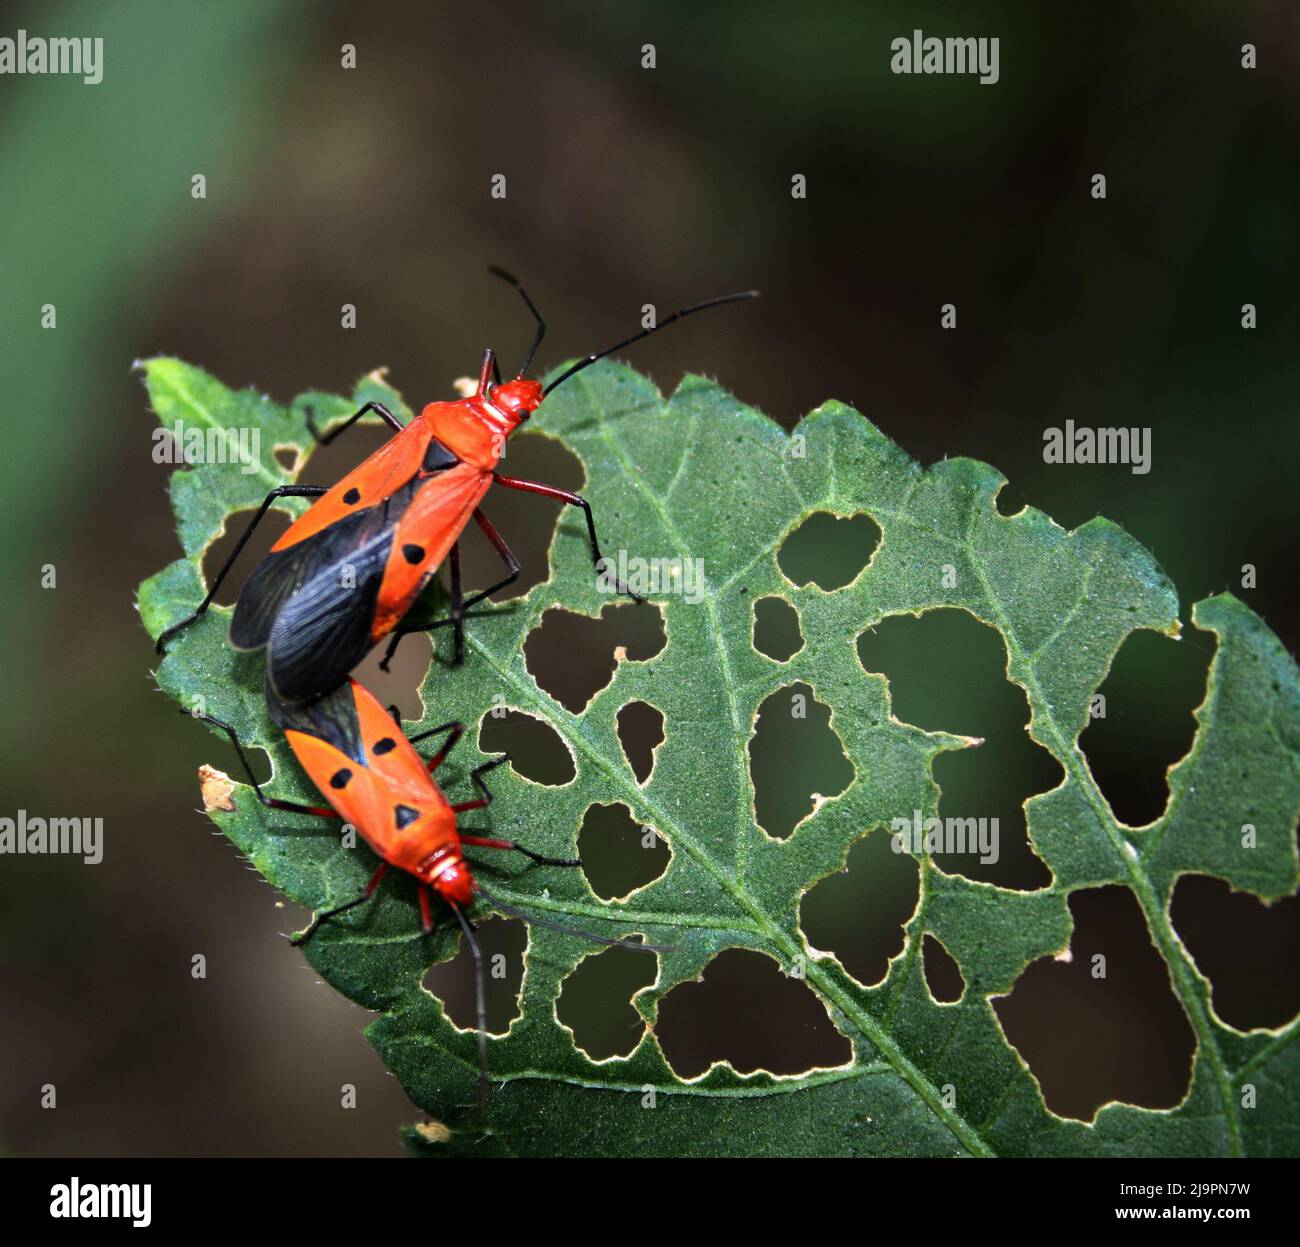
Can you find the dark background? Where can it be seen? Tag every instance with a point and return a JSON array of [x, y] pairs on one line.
[[371, 186]]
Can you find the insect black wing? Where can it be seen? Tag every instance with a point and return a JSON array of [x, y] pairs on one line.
[[332, 718], [277, 577], [284, 573], [322, 629]]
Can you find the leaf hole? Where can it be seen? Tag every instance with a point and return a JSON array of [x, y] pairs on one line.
[[746, 1012], [1248, 950], [1010, 500], [501, 942], [947, 672], [573, 657], [289, 458], [859, 913], [1093, 1031], [272, 527], [535, 748], [400, 685], [1145, 722], [217, 751], [328, 464], [776, 629], [640, 731], [618, 854], [595, 1002], [828, 551], [943, 976], [794, 755]]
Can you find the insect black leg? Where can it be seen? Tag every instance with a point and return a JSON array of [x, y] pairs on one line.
[[492, 842], [455, 732], [507, 557], [339, 909], [324, 439], [284, 491], [272, 803], [476, 775], [512, 567], [573, 500], [457, 607], [480, 1004], [453, 620]]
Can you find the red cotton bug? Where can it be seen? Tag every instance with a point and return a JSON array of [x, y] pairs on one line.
[[361, 761], [350, 567]]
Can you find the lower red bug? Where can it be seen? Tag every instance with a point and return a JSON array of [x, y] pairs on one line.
[[367, 768]]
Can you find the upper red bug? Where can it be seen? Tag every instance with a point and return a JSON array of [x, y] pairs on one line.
[[350, 568]]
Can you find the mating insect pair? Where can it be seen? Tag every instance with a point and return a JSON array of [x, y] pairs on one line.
[[343, 577], [347, 571]]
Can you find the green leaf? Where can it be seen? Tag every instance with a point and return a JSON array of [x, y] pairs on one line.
[[700, 475]]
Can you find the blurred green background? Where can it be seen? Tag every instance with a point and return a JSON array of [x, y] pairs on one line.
[[370, 186]]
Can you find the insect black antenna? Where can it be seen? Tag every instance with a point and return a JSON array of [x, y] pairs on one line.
[[588, 360], [559, 926], [532, 307], [480, 1006]]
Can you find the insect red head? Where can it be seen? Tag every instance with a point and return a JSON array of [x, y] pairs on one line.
[[452, 880], [518, 399]]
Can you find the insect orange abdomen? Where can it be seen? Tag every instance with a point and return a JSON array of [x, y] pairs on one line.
[[392, 800]]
